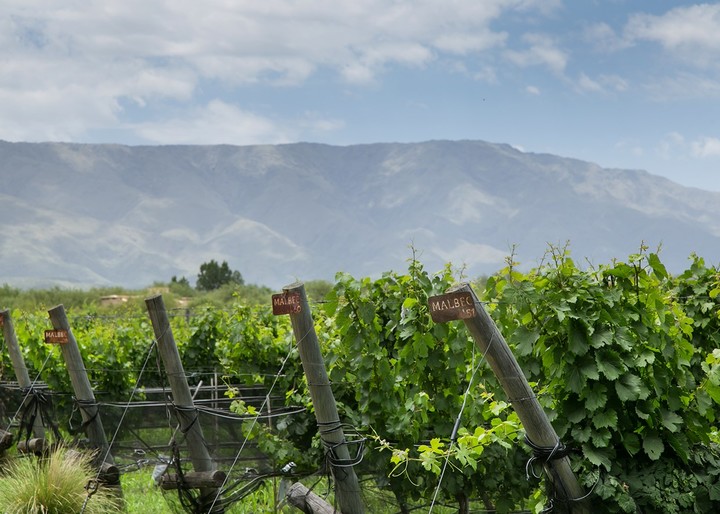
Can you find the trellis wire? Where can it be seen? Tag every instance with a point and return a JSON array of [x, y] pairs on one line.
[[254, 422], [453, 436]]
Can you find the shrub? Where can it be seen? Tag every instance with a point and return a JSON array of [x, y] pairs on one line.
[[55, 484]]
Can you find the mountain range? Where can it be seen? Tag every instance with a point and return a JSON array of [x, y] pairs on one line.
[[79, 215]]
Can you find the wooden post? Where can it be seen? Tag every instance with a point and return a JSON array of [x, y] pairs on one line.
[[194, 479], [82, 388], [307, 501], [199, 455], [18, 363], [347, 486], [493, 346]]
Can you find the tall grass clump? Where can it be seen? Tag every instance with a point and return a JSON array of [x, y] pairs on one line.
[[55, 484]]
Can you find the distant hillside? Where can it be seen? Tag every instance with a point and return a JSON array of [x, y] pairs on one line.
[[79, 215]]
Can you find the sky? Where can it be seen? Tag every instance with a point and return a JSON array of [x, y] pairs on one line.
[[624, 84]]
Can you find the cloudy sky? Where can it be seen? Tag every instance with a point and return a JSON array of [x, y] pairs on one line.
[[625, 84]]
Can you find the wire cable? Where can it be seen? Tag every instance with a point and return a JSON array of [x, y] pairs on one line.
[[254, 422], [453, 436]]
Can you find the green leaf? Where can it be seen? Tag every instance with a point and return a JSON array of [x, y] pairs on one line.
[[627, 503], [576, 415], [601, 338], [429, 461], [630, 388], [464, 455], [596, 397], [657, 266], [715, 492], [407, 332], [631, 442], [366, 311], [645, 358], [589, 369], [713, 391], [576, 380], [609, 364], [680, 444], [582, 434], [596, 456], [653, 445], [605, 419], [670, 420], [525, 340], [409, 303], [577, 337], [421, 345]]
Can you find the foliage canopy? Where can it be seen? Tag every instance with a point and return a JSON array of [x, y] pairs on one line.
[[213, 275], [625, 357]]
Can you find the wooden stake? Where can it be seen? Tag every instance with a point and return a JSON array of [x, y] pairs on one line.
[[21, 372], [199, 455], [81, 386], [194, 480], [307, 501], [326, 413], [537, 425]]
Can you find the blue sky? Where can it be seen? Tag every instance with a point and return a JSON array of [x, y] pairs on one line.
[[624, 84]]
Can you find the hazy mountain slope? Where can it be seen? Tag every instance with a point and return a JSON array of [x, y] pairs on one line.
[[91, 214]]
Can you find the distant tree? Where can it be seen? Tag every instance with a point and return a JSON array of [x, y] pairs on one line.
[[180, 286], [213, 275], [317, 290], [180, 281]]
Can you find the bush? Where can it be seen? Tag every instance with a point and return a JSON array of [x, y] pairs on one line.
[[55, 484]]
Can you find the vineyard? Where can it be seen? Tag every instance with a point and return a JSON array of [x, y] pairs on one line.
[[624, 358]]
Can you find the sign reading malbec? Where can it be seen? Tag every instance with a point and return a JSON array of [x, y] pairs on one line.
[[451, 306]]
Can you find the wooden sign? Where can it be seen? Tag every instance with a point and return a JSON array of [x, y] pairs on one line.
[[56, 336], [451, 306], [286, 303]]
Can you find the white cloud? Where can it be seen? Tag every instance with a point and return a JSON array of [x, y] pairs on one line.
[[683, 85], [241, 42], [671, 144], [217, 123], [706, 147], [630, 147], [693, 31], [71, 67], [603, 38], [587, 84], [462, 44], [542, 51], [533, 90], [601, 84], [471, 254], [374, 59], [221, 123], [487, 75]]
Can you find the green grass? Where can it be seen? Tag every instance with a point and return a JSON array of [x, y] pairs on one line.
[[143, 496], [53, 485]]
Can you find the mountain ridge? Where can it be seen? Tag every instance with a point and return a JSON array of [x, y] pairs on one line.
[[106, 214]]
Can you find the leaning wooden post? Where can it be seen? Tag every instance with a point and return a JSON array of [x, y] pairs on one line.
[[21, 372], [307, 501], [183, 400], [460, 302], [328, 420], [89, 409]]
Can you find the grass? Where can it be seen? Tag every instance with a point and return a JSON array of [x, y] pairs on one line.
[[53, 485], [56, 485], [143, 496]]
